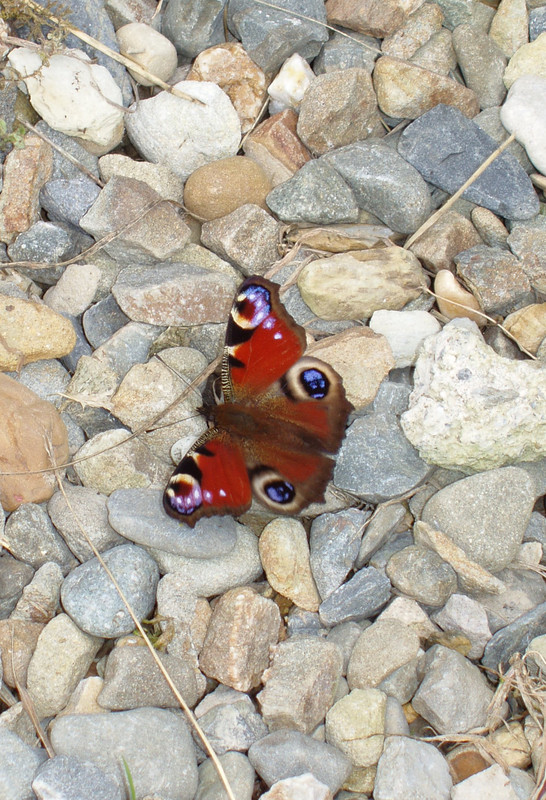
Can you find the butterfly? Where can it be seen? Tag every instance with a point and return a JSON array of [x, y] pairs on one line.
[[283, 417]]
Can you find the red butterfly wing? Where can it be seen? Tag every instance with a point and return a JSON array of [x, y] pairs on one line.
[[262, 340], [211, 479]]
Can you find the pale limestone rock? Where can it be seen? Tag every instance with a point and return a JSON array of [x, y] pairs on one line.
[[73, 95], [524, 114], [150, 49], [158, 176], [355, 284], [356, 725], [471, 409], [489, 784], [284, 552], [301, 787], [454, 301], [31, 331], [405, 331], [290, 84], [529, 59], [75, 290]]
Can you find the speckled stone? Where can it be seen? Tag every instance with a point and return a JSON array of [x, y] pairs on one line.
[[421, 574], [284, 552], [247, 238], [31, 331], [25, 172], [496, 278]]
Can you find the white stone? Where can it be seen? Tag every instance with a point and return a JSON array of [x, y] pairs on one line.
[[472, 409], [73, 95], [524, 114], [184, 134], [465, 615], [301, 787], [291, 83], [150, 49], [75, 290], [405, 331], [489, 784]]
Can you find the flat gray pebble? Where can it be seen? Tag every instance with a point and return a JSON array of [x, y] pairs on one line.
[[18, 763], [514, 638], [31, 537], [69, 778], [359, 598], [334, 543]]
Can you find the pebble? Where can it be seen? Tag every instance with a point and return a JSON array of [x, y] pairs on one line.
[[73, 95], [488, 784], [421, 574], [400, 770], [127, 346], [47, 243], [242, 629], [288, 753], [68, 199], [220, 187], [30, 536], [448, 676], [239, 772], [288, 87], [61, 659], [523, 115], [69, 777], [510, 26], [361, 597], [300, 683], [101, 320], [93, 602], [379, 651], [405, 331], [316, 194], [208, 577], [411, 614], [248, 238], [527, 60], [193, 28], [18, 765], [22, 445], [496, 277], [514, 638], [356, 725], [368, 18], [17, 643], [338, 108], [526, 238], [284, 553], [438, 245], [504, 187], [30, 331], [334, 543], [465, 615], [102, 739], [454, 301], [40, 600], [341, 52], [384, 521], [276, 147], [232, 727], [182, 134], [302, 787], [75, 290], [449, 368], [537, 22], [132, 679], [150, 49], [24, 173], [482, 63], [424, 22], [353, 285]]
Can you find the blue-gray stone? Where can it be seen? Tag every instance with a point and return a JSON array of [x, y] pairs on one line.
[[334, 544], [358, 599], [447, 148], [18, 763], [537, 22], [62, 167], [514, 638], [14, 576], [345, 52], [67, 200], [270, 36], [383, 183], [138, 515], [102, 320], [70, 778], [194, 25], [48, 242], [316, 194], [90, 598], [81, 348]]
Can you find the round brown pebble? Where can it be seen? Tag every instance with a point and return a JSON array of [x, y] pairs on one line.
[[218, 188]]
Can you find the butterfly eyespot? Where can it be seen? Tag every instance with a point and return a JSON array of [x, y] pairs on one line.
[[280, 492], [315, 383], [252, 307], [273, 490], [183, 494]]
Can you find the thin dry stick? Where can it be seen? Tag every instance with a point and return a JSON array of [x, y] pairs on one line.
[[191, 718], [447, 205]]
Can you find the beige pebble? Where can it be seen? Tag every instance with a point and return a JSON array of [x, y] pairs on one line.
[[31, 331], [356, 725], [454, 301], [31, 427], [530, 59], [528, 325], [75, 290], [17, 642], [150, 49], [510, 26], [369, 16], [218, 188], [284, 552]]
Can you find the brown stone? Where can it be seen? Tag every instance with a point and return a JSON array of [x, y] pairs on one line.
[[276, 146], [405, 90], [248, 238], [437, 247], [375, 17], [32, 437], [415, 32], [17, 642], [339, 108], [454, 301], [242, 628], [218, 188], [284, 552], [25, 172], [229, 66], [31, 331]]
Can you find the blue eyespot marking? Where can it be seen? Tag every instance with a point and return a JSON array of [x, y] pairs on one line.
[[259, 298], [280, 492], [315, 383]]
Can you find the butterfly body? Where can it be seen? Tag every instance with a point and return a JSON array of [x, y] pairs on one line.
[[282, 418]]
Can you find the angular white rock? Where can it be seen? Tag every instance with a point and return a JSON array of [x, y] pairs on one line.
[[291, 83], [184, 134], [73, 95], [405, 331], [524, 114], [489, 784], [149, 48], [472, 409]]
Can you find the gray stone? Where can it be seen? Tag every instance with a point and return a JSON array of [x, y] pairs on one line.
[[514, 638], [69, 778], [482, 63], [447, 148], [536, 529], [360, 598], [126, 347], [270, 36], [486, 514], [48, 242], [137, 514], [105, 739], [496, 277], [41, 597], [62, 167], [233, 727], [421, 574], [315, 194], [46, 378], [383, 183], [385, 520], [457, 12], [527, 240], [286, 753], [345, 635], [18, 763], [68, 199], [239, 772], [537, 22], [381, 650], [306, 623], [376, 461], [463, 615], [448, 678], [14, 576], [102, 320], [334, 543], [411, 769], [247, 238], [81, 348], [194, 26], [91, 599], [341, 52], [30, 537]]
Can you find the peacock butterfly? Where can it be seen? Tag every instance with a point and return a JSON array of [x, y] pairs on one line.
[[282, 415]]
